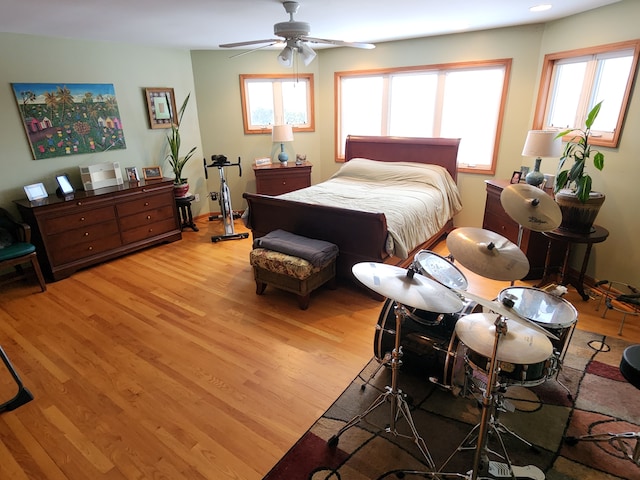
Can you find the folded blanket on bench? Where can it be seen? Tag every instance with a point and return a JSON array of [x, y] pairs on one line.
[[316, 252]]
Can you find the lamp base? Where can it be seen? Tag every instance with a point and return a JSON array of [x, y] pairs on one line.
[[283, 157], [536, 177]]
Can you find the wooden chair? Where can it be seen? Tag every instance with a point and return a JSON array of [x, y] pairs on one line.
[[16, 249]]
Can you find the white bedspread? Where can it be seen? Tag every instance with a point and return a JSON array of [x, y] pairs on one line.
[[417, 199]]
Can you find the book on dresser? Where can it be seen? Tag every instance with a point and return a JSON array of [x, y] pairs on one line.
[[98, 225]]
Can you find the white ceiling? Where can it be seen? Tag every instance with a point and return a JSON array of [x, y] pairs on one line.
[[204, 24]]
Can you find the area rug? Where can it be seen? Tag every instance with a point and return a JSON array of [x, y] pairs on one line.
[[588, 396]]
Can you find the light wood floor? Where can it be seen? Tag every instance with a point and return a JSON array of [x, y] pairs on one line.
[[165, 364]]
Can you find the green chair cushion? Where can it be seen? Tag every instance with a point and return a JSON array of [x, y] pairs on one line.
[[16, 250]]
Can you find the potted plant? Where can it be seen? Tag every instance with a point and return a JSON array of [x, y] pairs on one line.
[[177, 163], [578, 203]]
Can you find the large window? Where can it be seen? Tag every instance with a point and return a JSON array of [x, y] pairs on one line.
[[275, 100], [462, 100], [574, 81]]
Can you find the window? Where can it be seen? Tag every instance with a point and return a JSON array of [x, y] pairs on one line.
[[462, 100], [573, 82], [277, 99]]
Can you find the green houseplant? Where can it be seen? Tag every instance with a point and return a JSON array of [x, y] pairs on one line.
[[573, 186], [173, 139]]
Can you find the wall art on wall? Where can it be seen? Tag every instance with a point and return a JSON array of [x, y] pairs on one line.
[[69, 118], [161, 104]]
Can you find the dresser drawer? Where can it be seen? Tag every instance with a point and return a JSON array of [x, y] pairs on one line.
[[60, 256], [148, 217], [499, 224], [147, 231], [77, 217], [90, 233], [148, 202]]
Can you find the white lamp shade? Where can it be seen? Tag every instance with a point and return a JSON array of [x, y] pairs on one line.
[[542, 143], [286, 57], [306, 52], [282, 133]]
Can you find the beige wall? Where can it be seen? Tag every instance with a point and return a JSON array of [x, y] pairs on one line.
[[214, 122]]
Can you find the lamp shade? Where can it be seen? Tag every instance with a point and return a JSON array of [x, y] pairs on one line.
[[542, 143], [282, 133]]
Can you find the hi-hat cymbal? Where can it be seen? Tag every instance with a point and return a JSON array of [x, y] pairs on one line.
[[418, 292], [507, 312], [531, 207], [487, 253], [520, 344]]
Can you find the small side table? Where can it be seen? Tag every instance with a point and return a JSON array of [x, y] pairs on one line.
[[184, 211], [598, 235]]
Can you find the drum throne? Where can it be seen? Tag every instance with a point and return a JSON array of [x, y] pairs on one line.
[[624, 442]]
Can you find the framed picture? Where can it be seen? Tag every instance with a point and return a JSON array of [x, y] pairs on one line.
[[152, 173], [132, 174], [35, 191], [161, 104], [515, 178]]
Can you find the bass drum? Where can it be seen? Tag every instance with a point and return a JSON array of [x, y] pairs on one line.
[[428, 340]]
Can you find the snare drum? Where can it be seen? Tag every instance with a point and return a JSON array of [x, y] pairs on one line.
[[428, 339], [440, 269]]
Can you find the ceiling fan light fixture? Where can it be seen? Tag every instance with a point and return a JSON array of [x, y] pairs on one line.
[[285, 58], [306, 52]]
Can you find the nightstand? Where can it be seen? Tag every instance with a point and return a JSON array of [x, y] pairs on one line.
[[276, 179], [533, 244]]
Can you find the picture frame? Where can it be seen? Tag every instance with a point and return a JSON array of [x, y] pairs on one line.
[[132, 174], [35, 191], [152, 173], [516, 177], [161, 105]]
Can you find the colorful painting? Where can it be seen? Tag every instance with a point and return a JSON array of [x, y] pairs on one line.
[[69, 119]]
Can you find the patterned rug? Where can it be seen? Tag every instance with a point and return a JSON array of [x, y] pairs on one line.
[[600, 401]]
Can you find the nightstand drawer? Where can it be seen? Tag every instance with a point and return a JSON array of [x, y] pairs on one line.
[[277, 179]]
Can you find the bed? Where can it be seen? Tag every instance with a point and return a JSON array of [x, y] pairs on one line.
[[365, 234]]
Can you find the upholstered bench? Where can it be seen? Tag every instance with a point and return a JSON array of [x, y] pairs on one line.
[[278, 259]]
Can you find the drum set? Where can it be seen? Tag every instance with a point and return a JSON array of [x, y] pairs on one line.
[[464, 342]]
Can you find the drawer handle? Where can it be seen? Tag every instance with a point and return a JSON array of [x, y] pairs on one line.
[[151, 230], [86, 234], [146, 204], [90, 248], [148, 217], [79, 203], [82, 219], [284, 182]]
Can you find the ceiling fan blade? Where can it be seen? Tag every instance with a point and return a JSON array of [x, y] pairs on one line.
[[254, 49], [251, 42], [339, 43]]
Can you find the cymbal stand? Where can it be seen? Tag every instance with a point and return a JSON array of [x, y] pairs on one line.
[[395, 397], [488, 418]]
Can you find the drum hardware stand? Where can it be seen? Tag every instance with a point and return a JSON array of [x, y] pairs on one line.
[[224, 198], [23, 396], [395, 397]]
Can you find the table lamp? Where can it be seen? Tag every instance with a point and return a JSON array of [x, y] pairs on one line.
[[282, 134], [540, 143]]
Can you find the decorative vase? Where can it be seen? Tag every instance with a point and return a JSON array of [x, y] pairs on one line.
[[180, 189], [536, 177], [578, 217]]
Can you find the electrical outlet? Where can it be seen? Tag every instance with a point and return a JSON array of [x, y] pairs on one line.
[[197, 195]]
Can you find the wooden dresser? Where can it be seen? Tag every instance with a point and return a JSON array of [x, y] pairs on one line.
[[99, 225], [533, 244], [276, 179]]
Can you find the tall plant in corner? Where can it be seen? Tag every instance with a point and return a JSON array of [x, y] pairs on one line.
[[580, 151], [177, 163]]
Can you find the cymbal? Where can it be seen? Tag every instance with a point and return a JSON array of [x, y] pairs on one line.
[[487, 253], [520, 344], [418, 292], [505, 311], [531, 207]]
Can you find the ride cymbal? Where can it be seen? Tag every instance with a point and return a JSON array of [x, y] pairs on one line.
[[488, 254], [418, 292], [531, 207], [520, 344]]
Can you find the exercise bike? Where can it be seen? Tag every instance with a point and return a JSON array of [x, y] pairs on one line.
[[224, 198]]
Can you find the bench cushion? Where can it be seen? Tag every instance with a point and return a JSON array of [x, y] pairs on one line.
[[282, 263]]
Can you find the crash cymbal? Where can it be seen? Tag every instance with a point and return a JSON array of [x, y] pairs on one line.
[[418, 292], [520, 344], [531, 207], [505, 311], [487, 253]]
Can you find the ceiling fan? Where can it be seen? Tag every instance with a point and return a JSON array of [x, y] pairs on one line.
[[295, 35]]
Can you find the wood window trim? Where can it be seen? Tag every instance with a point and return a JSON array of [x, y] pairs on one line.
[[271, 76], [546, 77]]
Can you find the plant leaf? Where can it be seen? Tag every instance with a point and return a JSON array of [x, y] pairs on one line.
[[593, 114], [598, 160]]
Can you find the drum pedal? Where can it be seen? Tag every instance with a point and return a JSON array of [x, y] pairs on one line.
[[502, 470]]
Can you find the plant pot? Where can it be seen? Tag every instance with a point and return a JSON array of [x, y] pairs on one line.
[[578, 217], [180, 189]]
